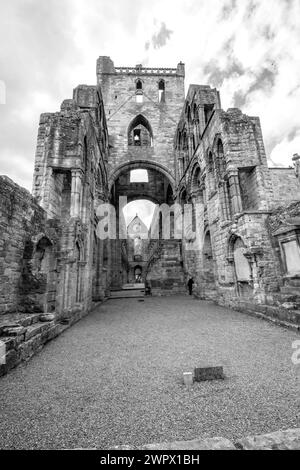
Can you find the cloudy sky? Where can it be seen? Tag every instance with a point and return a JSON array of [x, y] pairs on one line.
[[249, 49]]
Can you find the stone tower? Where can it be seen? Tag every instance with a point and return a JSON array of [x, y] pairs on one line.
[[145, 103]]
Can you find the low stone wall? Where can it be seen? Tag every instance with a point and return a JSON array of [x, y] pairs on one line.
[[280, 440], [279, 315], [24, 335]]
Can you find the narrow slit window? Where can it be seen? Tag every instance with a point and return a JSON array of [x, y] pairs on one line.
[[161, 91]]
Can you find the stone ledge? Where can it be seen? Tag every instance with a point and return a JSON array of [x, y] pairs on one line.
[[270, 318], [280, 440], [23, 342]]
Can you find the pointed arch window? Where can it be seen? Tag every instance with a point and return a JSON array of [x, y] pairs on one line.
[[161, 91], [140, 132], [211, 172]]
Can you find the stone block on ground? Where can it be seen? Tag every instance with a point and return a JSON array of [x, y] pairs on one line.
[[202, 374]]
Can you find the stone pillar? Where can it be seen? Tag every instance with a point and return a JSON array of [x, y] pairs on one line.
[[235, 192], [197, 131], [76, 193], [190, 145], [181, 168], [67, 298], [198, 205], [201, 119]]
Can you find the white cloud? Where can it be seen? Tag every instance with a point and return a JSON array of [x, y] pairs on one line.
[[285, 147], [48, 48]]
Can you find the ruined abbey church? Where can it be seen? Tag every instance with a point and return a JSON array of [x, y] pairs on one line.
[[53, 265]]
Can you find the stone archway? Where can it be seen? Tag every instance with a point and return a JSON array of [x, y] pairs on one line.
[[156, 254], [138, 274]]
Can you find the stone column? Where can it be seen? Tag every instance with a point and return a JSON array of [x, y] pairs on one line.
[[76, 192], [67, 297], [202, 123], [190, 145], [181, 166], [198, 205]]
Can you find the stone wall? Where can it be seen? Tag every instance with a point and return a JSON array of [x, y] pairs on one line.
[[223, 174], [70, 182], [196, 154], [22, 224], [164, 272], [286, 187]]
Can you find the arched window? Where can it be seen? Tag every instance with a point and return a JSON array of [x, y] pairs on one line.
[[139, 92], [195, 113], [138, 270], [42, 255], [179, 139], [211, 172], [220, 161], [139, 85], [188, 114], [140, 132], [44, 271], [196, 185], [161, 91]]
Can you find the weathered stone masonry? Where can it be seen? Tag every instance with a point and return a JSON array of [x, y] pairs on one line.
[[242, 247], [223, 172]]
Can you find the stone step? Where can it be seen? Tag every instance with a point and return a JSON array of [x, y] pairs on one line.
[[133, 286], [127, 294]]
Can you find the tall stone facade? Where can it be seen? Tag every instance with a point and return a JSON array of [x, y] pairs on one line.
[[241, 246], [222, 171]]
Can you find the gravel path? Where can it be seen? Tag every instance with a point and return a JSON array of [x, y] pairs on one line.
[[116, 378]]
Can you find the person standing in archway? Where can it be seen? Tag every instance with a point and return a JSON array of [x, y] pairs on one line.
[[190, 285]]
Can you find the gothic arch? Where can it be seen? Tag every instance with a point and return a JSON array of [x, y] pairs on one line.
[[183, 195], [141, 164], [140, 124], [188, 113], [194, 177], [210, 170], [195, 112], [219, 154]]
